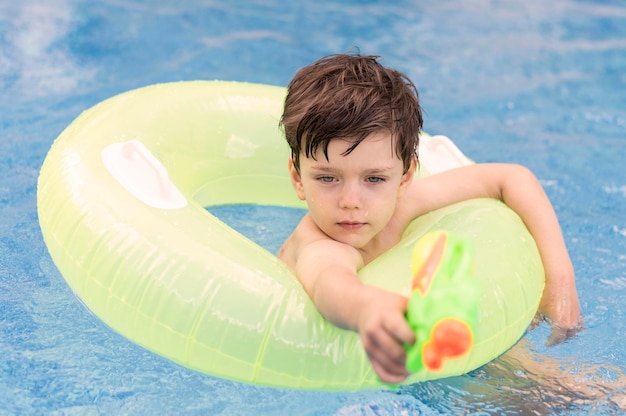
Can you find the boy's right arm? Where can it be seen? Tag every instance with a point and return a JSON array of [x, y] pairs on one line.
[[327, 270]]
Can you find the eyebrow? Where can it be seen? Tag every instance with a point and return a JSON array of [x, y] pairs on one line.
[[370, 171]]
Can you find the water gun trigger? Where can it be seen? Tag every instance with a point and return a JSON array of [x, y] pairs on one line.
[[443, 308]]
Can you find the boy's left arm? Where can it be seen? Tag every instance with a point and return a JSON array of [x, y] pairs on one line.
[[518, 187], [559, 304]]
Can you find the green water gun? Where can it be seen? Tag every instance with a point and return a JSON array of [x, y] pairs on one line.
[[443, 308]]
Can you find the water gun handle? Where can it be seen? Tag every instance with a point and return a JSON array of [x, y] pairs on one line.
[[443, 307]]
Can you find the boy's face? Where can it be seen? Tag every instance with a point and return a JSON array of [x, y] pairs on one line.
[[352, 197]]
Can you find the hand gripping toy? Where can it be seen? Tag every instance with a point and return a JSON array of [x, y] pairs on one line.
[[443, 308]]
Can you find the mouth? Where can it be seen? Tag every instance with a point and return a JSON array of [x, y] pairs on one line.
[[351, 225]]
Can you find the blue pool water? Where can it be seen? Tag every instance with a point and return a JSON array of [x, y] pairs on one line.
[[534, 82]]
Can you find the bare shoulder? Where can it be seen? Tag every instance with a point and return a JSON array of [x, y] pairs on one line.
[[304, 232], [309, 246]]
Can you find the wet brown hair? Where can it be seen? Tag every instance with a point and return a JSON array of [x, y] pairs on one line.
[[350, 97]]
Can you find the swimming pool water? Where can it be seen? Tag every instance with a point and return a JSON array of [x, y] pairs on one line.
[[537, 83]]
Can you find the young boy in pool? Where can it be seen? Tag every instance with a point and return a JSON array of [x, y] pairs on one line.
[[353, 128]]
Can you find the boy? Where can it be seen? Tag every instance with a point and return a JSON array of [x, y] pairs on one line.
[[353, 127]]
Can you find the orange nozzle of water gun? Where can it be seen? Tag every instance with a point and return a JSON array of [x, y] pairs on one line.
[[450, 338]]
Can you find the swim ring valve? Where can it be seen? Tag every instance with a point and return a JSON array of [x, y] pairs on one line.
[[443, 307]]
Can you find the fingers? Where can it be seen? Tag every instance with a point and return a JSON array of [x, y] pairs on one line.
[[559, 334], [385, 349], [389, 364], [384, 333], [537, 320], [400, 331], [387, 376]]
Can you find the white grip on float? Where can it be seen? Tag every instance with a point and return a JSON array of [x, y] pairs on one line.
[[142, 174], [439, 153]]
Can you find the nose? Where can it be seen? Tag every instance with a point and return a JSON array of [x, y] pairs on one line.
[[350, 197]]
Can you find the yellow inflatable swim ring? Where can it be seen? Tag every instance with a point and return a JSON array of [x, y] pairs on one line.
[[121, 202]]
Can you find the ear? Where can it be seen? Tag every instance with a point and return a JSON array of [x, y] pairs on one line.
[[407, 178], [296, 180]]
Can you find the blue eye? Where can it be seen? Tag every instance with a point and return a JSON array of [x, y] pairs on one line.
[[326, 179], [375, 179]]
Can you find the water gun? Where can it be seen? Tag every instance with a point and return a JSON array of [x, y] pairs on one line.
[[443, 307]]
